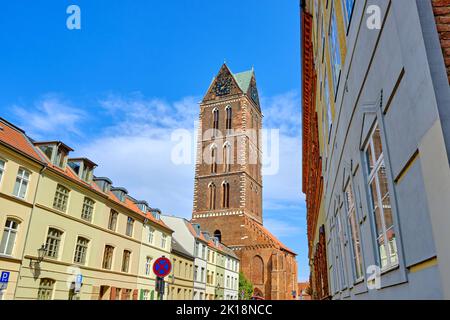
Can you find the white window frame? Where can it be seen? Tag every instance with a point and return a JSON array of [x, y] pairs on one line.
[[373, 176], [23, 180], [345, 11], [351, 210], [148, 265], [151, 235], [2, 168], [163, 240], [8, 230]]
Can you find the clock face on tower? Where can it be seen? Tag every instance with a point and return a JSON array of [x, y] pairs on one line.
[[223, 86]]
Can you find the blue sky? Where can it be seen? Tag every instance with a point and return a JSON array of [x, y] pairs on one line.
[[116, 89]]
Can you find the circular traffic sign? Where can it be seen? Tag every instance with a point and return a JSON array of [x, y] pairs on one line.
[[162, 267]]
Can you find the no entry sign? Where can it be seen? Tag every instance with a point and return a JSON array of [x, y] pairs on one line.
[[162, 267]]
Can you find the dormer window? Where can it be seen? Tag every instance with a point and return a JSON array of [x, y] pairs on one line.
[[84, 168], [103, 183], [120, 193], [142, 205], [55, 151], [156, 213]]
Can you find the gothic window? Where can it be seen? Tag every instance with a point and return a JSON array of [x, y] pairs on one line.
[[225, 195], [227, 157], [257, 270], [212, 196], [218, 235], [214, 159], [229, 117], [215, 121]]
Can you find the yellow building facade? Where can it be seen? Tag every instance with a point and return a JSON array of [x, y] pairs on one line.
[[96, 237], [181, 283]]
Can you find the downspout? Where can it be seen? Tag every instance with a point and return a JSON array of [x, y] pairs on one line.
[[28, 228]]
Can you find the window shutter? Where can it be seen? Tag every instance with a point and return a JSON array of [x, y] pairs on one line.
[[141, 295], [152, 295], [135, 294], [113, 293]]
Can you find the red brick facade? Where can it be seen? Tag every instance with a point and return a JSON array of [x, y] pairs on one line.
[[441, 9], [238, 218], [312, 166]]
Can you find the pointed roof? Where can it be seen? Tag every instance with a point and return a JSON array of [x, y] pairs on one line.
[[244, 79]]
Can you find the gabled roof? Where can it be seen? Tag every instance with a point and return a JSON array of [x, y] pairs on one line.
[[16, 138]]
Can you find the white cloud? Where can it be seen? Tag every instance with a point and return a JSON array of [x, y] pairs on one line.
[[50, 117], [282, 229]]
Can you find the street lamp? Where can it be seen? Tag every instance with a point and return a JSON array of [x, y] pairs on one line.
[[41, 253]]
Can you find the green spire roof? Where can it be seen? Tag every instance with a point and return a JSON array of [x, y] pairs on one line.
[[243, 79]]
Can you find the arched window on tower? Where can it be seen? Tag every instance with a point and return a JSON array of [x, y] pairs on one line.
[[257, 270], [226, 157], [229, 117], [213, 159], [212, 196], [225, 195], [215, 121], [218, 235]]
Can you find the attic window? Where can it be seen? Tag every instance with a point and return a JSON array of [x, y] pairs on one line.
[[48, 151]]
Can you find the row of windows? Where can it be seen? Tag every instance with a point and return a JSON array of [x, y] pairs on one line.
[[343, 226], [22, 180], [334, 47], [179, 270], [53, 245], [225, 195], [199, 276], [61, 199], [180, 293]]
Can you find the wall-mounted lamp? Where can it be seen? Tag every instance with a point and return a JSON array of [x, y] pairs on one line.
[[41, 253]]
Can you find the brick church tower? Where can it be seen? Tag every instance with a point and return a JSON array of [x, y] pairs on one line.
[[228, 183]]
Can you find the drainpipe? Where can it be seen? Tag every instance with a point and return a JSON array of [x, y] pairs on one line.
[[28, 228]]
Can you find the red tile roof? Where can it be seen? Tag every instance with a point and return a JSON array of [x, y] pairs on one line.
[[194, 233], [16, 138], [269, 235]]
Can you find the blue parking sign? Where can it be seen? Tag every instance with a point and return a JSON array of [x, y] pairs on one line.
[[4, 278]]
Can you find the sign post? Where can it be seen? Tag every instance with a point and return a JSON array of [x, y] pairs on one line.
[[161, 268], [4, 279]]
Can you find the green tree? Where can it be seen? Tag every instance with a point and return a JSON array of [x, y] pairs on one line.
[[246, 286]]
